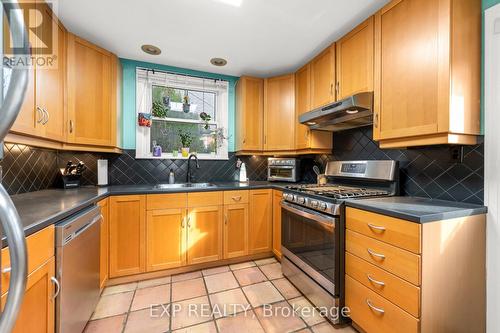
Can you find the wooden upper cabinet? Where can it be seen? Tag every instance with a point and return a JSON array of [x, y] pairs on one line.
[[354, 56], [92, 77], [279, 113], [127, 224], [249, 114], [427, 72], [323, 78], [204, 239], [260, 228]]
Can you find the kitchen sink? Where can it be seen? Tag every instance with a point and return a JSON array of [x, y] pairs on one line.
[[184, 185]]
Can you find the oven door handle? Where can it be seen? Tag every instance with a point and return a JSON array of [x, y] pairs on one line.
[[326, 222]]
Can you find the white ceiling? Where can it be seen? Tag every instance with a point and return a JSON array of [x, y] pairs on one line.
[[257, 37]]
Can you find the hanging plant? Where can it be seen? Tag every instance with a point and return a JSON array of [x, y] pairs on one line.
[[206, 119], [185, 103], [159, 110]]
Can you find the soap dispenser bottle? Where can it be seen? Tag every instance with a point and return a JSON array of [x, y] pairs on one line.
[[171, 177], [243, 173]]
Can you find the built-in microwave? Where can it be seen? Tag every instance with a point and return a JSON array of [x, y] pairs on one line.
[[283, 169]]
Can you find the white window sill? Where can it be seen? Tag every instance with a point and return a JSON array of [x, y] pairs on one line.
[[201, 157]]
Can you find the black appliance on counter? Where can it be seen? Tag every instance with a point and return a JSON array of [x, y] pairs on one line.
[[313, 227]]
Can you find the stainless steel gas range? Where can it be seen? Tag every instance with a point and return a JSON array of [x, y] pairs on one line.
[[313, 227]]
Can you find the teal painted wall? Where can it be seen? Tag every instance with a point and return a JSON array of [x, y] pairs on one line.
[[128, 99]]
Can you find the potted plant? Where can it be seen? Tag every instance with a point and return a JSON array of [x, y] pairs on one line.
[[206, 119], [185, 104], [186, 140], [159, 110]]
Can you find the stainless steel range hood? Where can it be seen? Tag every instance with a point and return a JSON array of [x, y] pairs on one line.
[[351, 112]]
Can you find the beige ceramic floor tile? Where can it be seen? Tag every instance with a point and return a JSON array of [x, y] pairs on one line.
[[272, 271], [228, 302], [188, 289], [106, 325], [201, 328], [249, 275], [286, 288], [119, 288], [326, 327], [305, 330], [242, 322], [279, 318], [147, 321], [152, 296], [186, 276], [220, 282], [262, 293], [242, 265], [154, 282], [112, 305], [191, 312], [266, 261], [215, 270], [307, 311]]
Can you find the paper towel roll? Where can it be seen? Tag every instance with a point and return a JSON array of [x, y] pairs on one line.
[[102, 172]]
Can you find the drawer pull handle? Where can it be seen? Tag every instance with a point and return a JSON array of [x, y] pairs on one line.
[[372, 280], [6, 270], [375, 254], [238, 198], [374, 308], [376, 227], [58, 287]]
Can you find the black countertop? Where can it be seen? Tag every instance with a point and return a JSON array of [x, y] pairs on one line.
[[43, 208]]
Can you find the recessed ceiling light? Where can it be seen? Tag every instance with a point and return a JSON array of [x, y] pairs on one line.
[[218, 62], [151, 49]]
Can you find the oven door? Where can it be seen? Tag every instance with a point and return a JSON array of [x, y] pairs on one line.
[[309, 240], [281, 173]]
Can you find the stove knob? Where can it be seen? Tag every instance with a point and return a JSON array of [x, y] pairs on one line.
[[301, 200], [288, 196], [322, 206], [314, 204]]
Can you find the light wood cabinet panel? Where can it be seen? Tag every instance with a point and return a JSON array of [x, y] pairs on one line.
[[165, 239], [260, 221], [235, 197], [277, 196], [127, 248], [104, 248], [166, 201], [37, 310], [235, 230], [204, 240], [249, 114], [279, 108], [354, 56], [323, 78], [202, 199], [91, 93], [427, 73]]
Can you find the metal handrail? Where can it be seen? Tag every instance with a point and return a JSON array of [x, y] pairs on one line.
[[9, 218]]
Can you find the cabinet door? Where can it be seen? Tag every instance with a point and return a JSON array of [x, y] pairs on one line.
[[323, 78], [409, 68], [165, 239], [355, 61], [277, 195], [204, 240], [279, 113], [50, 81], [127, 248], [90, 94], [104, 256], [302, 104], [249, 113], [235, 230], [260, 221], [37, 310]]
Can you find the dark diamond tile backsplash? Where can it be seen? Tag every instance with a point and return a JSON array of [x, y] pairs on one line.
[[426, 172]]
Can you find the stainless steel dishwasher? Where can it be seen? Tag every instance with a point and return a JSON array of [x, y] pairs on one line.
[[77, 266]]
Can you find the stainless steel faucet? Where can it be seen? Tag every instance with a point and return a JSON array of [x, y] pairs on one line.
[[189, 176]]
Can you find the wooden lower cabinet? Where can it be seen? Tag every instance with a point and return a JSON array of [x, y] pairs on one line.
[[127, 227], [104, 256], [165, 239], [204, 234], [277, 195], [260, 226], [37, 311], [235, 230]]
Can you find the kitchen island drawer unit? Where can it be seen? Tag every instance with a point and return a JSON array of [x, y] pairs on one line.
[[235, 197]]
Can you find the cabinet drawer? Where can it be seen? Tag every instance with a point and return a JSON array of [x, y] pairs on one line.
[[403, 234], [235, 197], [203, 199], [166, 201], [403, 294], [358, 299], [400, 262], [40, 248]]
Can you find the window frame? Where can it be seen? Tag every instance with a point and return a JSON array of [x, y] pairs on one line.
[[147, 78]]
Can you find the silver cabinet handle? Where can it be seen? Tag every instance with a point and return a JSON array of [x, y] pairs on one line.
[[58, 287], [375, 254], [372, 280], [225, 219], [374, 308], [189, 221], [71, 126], [237, 198], [376, 227], [47, 116], [40, 115], [6, 270], [375, 122], [183, 222]]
